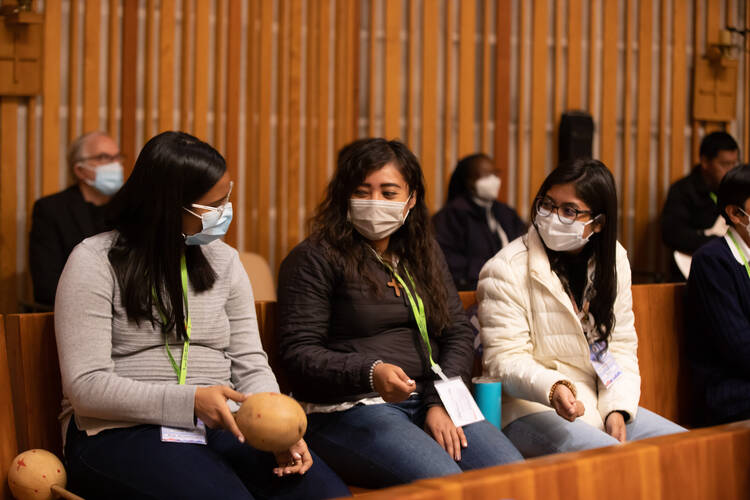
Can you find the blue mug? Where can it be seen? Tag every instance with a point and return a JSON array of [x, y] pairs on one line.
[[488, 395]]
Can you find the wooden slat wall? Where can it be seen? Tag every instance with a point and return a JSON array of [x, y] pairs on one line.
[[286, 84]]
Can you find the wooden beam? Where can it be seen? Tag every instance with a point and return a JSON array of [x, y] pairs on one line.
[[129, 83], [609, 85], [234, 63], [392, 69], [51, 97], [467, 82], [294, 160], [8, 197], [539, 97], [679, 26], [200, 70], [167, 66], [502, 93], [429, 98], [643, 250], [91, 53], [575, 14]]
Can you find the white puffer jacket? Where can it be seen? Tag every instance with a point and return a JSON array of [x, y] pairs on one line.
[[532, 337]]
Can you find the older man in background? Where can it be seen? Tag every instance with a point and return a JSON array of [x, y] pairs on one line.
[[62, 220]]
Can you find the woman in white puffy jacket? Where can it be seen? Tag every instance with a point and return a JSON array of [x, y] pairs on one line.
[[556, 318]]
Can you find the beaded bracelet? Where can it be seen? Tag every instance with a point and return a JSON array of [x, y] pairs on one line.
[[372, 372], [567, 384]]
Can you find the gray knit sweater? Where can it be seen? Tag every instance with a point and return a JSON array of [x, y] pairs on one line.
[[116, 373]]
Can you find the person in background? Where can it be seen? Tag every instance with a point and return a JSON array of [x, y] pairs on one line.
[[557, 323], [368, 316], [61, 221], [473, 226], [690, 217], [718, 309], [157, 335]]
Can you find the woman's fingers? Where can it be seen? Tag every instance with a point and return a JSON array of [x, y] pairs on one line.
[[462, 437]]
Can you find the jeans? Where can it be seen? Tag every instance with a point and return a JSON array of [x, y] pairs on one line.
[[133, 463], [546, 432], [375, 446]]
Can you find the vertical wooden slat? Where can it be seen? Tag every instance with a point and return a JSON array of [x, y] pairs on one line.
[[627, 129], [355, 18], [678, 90], [393, 23], [746, 45], [521, 173], [412, 66], [323, 97], [295, 125], [114, 62], [609, 84], [8, 195], [31, 161], [502, 92], [91, 51], [594, 69], [573, 97], [234, 62], [129, 82], [698, 50], [74, 62], [558, 79], [311, 94], [187, 57], [484, 139], [467, 82], [220, 51], [372, 55], [282, 133], [342, 74], [712, 21], [643, 162], [539, 97], [166, 68], [51, 98], [200, 69], [264, 134], [252, 189], [8, 443], [150, 72], [429, 99], [663, 71], [448, 127]]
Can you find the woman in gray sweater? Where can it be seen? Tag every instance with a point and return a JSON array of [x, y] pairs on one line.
[[156, 333]]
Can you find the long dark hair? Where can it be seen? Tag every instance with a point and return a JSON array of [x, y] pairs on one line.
[[173, 170], [413, 243], [458, 185], [594, 185]]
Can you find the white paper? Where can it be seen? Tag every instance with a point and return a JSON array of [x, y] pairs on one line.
[[458, 402], [176, 435]]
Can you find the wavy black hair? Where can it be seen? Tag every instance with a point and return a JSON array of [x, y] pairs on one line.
[[413, 243], [594, 185], [173, 170]]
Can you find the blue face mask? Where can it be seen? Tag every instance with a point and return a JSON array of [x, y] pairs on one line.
[[215, 224], [109, 178]]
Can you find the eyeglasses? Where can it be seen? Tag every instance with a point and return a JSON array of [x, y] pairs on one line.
[[566, 213], [207, 208], [103, 158]]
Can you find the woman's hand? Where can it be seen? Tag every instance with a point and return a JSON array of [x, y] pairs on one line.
[[439, 425], [565, 404], [296, 460], [615, 426], [211, 407], [391, 382]]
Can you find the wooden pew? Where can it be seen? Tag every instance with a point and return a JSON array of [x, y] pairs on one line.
[[8, 444], [696, 465], [665, 383]]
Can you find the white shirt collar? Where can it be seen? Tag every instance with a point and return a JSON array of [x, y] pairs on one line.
[[743, 246]]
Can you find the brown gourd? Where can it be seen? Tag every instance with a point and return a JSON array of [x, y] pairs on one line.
[[271, 421]]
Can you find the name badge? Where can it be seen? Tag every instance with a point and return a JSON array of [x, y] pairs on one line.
[[458, 402], [176, 435], [604, 363]]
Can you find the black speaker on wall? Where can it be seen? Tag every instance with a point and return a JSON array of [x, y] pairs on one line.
[[576, 136]]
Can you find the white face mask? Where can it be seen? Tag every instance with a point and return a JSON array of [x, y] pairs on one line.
[[377, 219], [561, 237], [109, 178], [488, 187]]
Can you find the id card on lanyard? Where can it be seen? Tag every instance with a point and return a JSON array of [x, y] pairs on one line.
[[454, 394], [602, 361], [172, 434]]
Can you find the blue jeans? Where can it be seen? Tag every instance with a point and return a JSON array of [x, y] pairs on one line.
[[374, 446], [546, 432], [133, 463]]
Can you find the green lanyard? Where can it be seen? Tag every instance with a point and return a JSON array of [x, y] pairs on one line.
[[744, 260], [714, 198], [417, 308], [180, 371]]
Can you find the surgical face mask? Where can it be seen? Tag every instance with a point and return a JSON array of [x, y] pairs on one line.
[[746, 226], [488, 187], [215, 224], [561, 237], [109, 178], [377, 219]]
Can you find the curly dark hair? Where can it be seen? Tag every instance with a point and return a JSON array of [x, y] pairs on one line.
[[413, 243]]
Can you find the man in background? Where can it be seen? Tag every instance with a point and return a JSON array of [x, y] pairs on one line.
[[62, 220], [690, 217]]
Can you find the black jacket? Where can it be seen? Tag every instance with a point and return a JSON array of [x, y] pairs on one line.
[[687, 212], [59, 222], [466, 239], [332, 329]]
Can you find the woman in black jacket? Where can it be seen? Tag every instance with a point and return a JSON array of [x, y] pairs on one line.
[[473, 226], [357, 299]]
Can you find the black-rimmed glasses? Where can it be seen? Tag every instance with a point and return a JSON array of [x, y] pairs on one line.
[[103, 158], [565, 213]]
